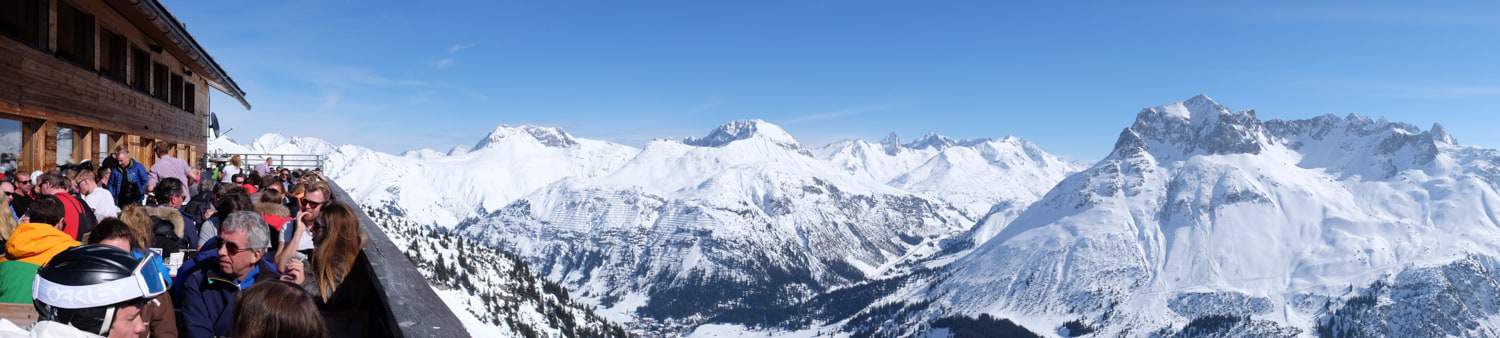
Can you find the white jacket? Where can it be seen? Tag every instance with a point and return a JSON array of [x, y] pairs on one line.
[[43, 329]]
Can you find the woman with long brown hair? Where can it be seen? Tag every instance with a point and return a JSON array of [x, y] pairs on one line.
[[338, 240], [328, 273]]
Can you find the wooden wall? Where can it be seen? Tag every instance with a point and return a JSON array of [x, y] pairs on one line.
[[45, 92]]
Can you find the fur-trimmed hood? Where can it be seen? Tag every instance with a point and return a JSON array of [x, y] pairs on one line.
[[168, 214]]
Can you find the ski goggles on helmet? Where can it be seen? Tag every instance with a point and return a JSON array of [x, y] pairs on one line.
[[145, 282]]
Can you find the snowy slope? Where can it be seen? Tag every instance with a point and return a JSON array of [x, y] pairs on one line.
[[442, 190], [717, 228], [494, 293], [991, 180], [1205, 221]]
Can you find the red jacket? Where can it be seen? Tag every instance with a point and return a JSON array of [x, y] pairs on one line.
[[72, 213]]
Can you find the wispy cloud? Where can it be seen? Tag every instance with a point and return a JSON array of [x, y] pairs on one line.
[[450, 60], [708, 104], [459, 47], [837, 114], [345, 77]]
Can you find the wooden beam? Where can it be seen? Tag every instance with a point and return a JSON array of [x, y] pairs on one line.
[[38, 145], [133, 143], [49, 147], [116, 141], [85, 145]]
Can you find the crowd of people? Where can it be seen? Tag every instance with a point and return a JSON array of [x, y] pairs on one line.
[[123, 250]]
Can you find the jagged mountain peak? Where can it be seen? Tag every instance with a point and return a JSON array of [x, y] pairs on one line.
[[743, 130], [932, 140], [1199, 125], [1440, 134], [549, 136]]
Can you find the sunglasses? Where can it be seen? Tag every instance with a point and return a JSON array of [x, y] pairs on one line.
[[309, 204], [233, 248]]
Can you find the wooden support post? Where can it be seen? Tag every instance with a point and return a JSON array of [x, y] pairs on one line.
[[85, 145], [38, 145], [31, 149], [116, 141], [133, 146], [148, 156]]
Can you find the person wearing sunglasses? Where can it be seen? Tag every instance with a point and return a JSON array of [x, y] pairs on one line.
[[93, 291], [20, 194], [208, 295], [298, 239]]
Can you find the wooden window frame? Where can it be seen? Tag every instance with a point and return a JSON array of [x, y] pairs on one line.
[[111, 64], [175, 99], [75, 35], [159, 87], [141, 68], [35, 23], [189, 97]]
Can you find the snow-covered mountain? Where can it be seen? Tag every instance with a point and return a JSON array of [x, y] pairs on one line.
[[991, 180], [974, 175], [719, 228], [1204, 221], [443, 189]]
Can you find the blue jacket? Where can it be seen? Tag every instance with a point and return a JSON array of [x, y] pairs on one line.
[[189, 229], [135, 172], [208, 298]]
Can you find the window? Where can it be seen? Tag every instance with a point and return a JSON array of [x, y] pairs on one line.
[[189, 97], [141, 69], [112, 62], [159, 81], [75, 35], [176, 96], [26, 21]]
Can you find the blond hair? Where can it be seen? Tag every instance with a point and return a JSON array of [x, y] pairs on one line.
[[139, 221], [7, 219]]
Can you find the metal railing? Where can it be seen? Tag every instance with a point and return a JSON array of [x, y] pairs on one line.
[[291, 161]]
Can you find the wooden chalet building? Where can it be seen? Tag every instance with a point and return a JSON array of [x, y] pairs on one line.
[[123, 72]]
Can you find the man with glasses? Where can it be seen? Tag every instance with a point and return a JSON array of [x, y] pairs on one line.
[[310, 206], [21, 196], [208, 294]]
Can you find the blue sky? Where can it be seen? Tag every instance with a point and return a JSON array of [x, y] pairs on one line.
[[401, 75]]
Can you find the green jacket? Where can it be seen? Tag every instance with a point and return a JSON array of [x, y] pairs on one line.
[[30, 247], [15, 281]]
